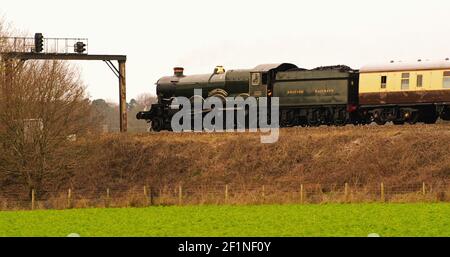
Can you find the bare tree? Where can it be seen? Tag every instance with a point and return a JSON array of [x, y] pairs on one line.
[[146, 100], [43, 108]]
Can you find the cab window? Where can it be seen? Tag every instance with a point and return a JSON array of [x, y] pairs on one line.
[[256, 79], [446, 79]]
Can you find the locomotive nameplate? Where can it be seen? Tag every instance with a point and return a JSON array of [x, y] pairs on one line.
[[324, 91], [295, 92]]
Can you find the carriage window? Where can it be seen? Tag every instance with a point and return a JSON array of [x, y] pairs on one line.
[[383, 81], [419, 80], [405, 81], [446, 79]]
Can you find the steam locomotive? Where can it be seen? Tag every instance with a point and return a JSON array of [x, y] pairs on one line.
[[330, 95]]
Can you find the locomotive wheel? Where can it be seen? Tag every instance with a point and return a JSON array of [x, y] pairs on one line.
[[380, 122], [221, 97], [312, 122], [312, 119], [284, 123], [398, 122], [339, 118], [339, 123], [414, 118], [379, 119], [445, 115], [157, 124]]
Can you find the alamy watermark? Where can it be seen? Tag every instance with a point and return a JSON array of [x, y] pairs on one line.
[[238, 114]]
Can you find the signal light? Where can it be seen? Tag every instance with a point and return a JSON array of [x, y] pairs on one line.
[[79, 47], [38, 42]]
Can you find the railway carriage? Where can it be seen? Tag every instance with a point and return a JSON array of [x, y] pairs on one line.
[[405, 92]]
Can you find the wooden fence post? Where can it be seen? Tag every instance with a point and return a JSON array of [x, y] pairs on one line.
[[69, 198], [319, 186], [346, 192], [382, 197], [423, 189], [145, 196], [302, 194], [263, 193], [180, 195], [226, 194], [32, 199], [107, 198], [150, 190]]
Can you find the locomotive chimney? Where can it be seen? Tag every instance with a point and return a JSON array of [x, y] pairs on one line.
[[178, 71]]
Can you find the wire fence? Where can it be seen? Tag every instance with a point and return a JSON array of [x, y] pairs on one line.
[[218, 194]]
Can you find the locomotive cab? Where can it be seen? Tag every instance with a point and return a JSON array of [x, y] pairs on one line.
[[263, 76], [258, 84]]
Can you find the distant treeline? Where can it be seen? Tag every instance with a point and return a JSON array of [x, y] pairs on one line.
[[109, 113]]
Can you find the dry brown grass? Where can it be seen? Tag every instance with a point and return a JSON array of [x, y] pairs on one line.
[[325, 158], [406, 156]]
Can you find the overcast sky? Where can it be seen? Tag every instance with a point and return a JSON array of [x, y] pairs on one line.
[[198, 35]]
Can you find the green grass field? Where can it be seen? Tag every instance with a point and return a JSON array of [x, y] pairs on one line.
[[264, 220]]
